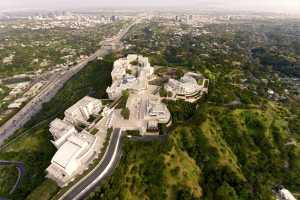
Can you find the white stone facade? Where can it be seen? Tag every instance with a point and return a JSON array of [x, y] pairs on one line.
[[83, 110], [129, 75], [158, 111], [72, 157], [189, 88], [60, 131], [75, 149]]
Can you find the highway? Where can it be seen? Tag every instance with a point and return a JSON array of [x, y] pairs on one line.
[[105, 167], [50, 90]]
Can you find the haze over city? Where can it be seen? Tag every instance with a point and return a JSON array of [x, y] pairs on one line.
[[287, 6], [157, 99]]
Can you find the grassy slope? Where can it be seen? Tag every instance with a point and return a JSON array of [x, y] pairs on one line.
[[34, 148], [223, 153], [238, 152], [147, 173]]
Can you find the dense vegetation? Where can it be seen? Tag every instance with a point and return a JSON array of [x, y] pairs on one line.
[[282, 63], [125, 112], [236, 143], [34, 148], [221, 153], [40, 49]]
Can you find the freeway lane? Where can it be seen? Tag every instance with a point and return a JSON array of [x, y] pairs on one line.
[[82, 189], [35, 105]]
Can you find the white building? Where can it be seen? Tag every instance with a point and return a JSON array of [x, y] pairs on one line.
[[158, 111], [189, 88], [17, 103], [75, 149], [119, 69], [14, 105], [132, 72], [283, 194], [73, 156], [60, 131], [83, 110], [119, 85], [34, 89], [147, 111]]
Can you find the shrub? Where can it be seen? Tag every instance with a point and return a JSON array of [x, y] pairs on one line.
[[128, 71], [163, 92], [125, 113], [135, 62]]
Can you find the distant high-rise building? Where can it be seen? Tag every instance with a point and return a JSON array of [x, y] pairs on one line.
[[114, 18]]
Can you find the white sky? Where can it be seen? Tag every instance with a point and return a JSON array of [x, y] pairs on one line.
[[292, 6]]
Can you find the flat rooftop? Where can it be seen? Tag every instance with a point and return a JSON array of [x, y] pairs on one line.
[[65, 154]]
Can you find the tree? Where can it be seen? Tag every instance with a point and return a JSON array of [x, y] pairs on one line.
[[179, 73], [123, 100], [128, 71], [125, 94], [135, 62], [185, 194], [226, 192], [163, 92], [169, 94], [125, 113]]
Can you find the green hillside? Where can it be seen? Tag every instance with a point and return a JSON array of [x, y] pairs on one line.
[[222, 153], [236, 143], [32, 145]]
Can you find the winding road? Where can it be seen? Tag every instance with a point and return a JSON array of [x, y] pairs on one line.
[[113, 152], [105, 167], [21, 171]]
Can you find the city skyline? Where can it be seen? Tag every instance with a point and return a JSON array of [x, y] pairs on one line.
[[288, 6]]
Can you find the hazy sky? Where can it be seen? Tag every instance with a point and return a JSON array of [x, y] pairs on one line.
[[292, 6]]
